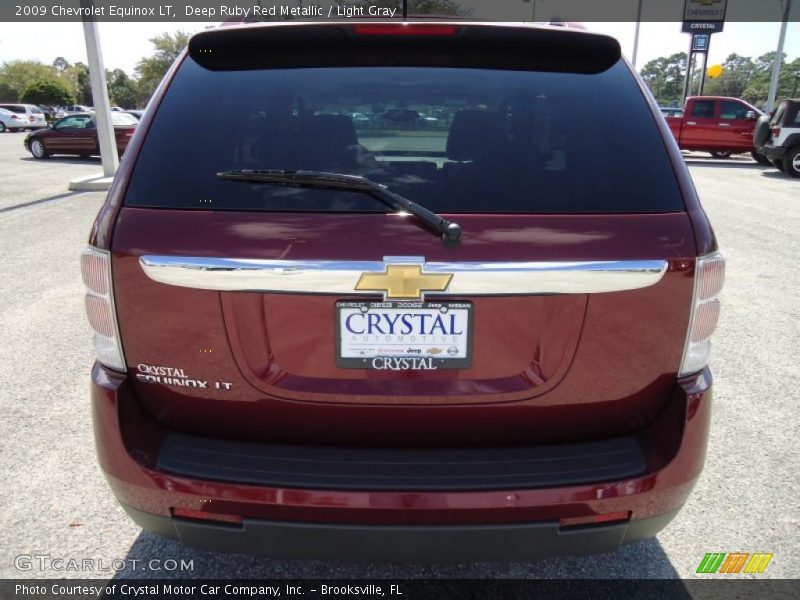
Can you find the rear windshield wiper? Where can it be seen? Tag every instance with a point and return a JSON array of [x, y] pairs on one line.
[[451, 232]]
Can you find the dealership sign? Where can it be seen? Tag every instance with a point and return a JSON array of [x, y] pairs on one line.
[[700, 42], [704, 16]]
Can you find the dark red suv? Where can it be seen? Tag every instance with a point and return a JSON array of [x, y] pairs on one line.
[[481, 336]]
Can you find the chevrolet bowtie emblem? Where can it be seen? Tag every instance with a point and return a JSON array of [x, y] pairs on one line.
[[404, 282]]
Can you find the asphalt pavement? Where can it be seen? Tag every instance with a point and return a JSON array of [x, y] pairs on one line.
[[55, 500]]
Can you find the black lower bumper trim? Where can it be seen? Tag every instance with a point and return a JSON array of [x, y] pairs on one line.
[[774, 152], [403, 543], [401, 469]]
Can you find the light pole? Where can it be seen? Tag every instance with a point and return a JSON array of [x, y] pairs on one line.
[[636, 34], [688, 84], [533, 9], [102, 109], [102, 106], [776, 66]]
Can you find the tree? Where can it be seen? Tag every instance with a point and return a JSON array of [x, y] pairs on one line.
[[121, 89], [48, 92], [737, 73], [757, 88], [151, 70], [78, 75], [17, 75], [435, 7], [790, 80], [61, 64], [742, 77], [7, 93], [665, 76]]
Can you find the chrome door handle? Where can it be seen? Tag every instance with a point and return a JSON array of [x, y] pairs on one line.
[[724, 124], [691, 122]]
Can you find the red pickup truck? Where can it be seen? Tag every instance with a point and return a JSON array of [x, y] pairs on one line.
[[716, 124]]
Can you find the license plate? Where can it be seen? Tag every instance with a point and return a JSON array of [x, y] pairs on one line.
[[403, 336]]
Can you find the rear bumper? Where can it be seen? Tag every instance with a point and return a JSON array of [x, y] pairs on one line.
[[407, 543], [773, 152], [516, 523]]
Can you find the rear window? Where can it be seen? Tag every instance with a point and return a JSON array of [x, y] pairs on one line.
[[703, 109], [15, 108], [787, 114], [778, 115], [731, 110], [458, 140], [123, 119]]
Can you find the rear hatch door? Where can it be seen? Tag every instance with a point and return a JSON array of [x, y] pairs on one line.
[[282, 313]]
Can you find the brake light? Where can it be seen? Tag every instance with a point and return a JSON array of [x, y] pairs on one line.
[[96, 272], [708, 281], [405, 29], [776, 132]]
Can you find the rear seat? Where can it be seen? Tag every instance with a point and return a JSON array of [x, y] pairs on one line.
[[332, 145], [477, 137], [477, 153], [482, 154], [319, 142]]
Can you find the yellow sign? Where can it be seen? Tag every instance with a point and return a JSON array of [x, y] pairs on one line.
[[714, 71], [404, 282]]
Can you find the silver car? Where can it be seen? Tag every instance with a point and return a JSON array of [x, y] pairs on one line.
[[32, 115], [72, 110]]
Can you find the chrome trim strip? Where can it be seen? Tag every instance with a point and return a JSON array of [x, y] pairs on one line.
[[340, 277]]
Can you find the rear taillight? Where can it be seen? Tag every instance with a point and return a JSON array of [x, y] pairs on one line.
[[709, 277], [16, 118], [776, 133], [31, 118], [96, 271]]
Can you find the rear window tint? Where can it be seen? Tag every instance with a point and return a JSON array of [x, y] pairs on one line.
[[458, 140], [15, 108]]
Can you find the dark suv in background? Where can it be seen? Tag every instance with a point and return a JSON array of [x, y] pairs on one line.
[[319, 338]]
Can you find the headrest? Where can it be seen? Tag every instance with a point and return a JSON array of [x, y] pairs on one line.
[[476, 135]]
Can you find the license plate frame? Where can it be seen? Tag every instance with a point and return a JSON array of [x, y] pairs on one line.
[[460, 360]]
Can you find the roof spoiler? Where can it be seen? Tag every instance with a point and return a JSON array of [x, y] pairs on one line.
[[467, 45]]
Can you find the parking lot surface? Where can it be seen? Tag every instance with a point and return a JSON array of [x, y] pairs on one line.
[[56, 501]]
